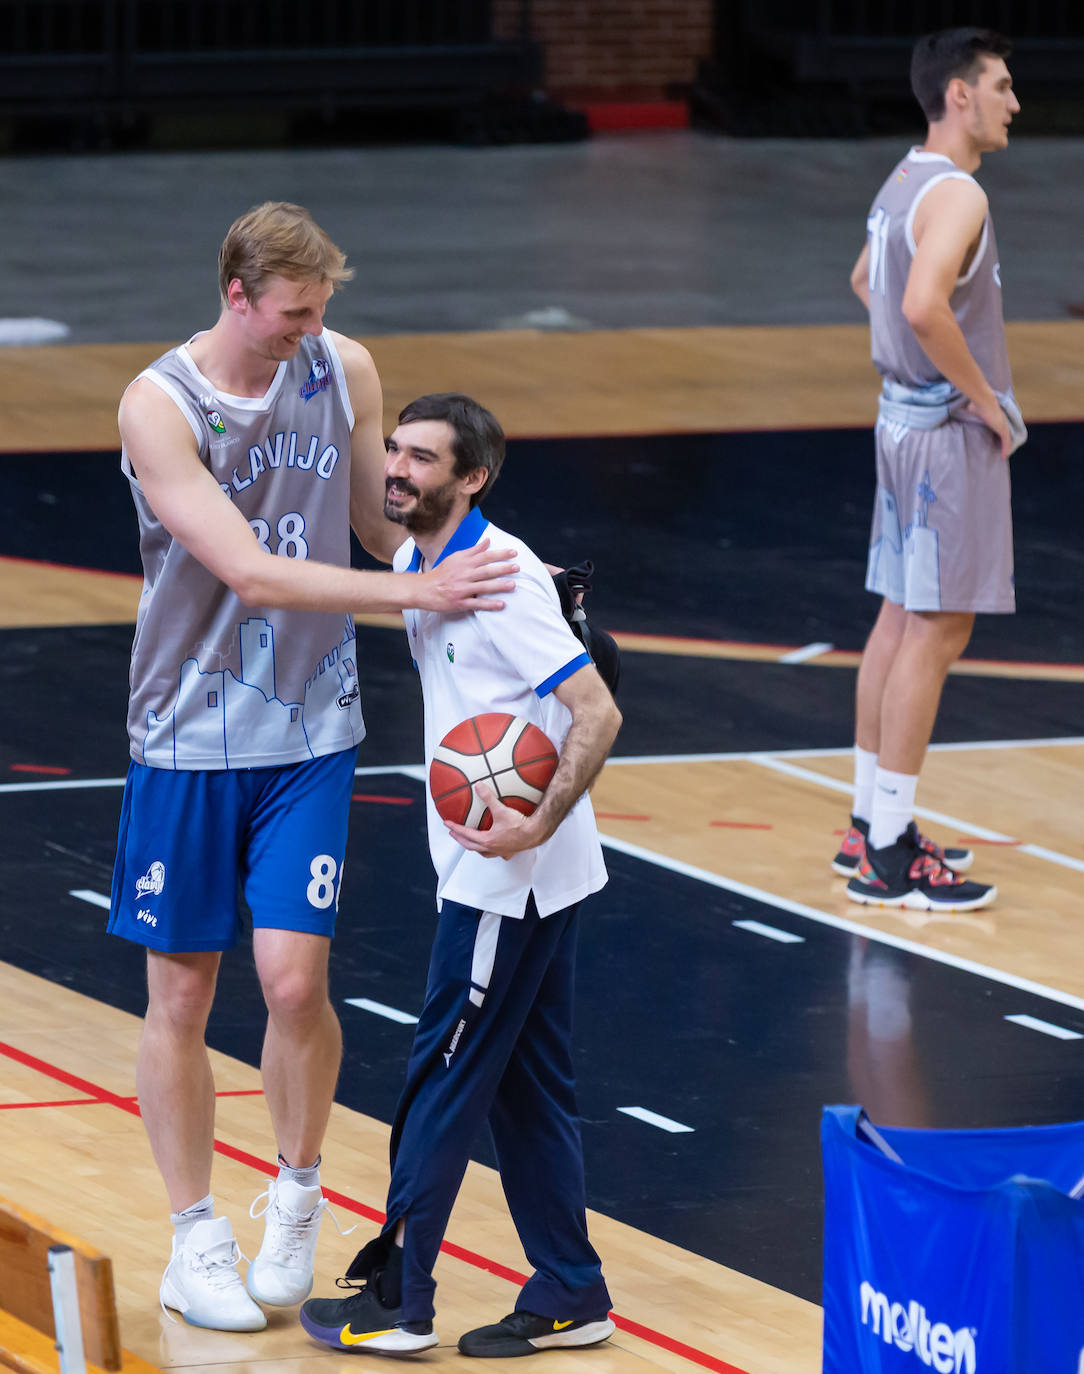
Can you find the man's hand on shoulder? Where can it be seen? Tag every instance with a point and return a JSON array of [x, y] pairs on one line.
[[471, 580]]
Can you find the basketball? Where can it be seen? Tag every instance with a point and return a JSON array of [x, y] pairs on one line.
[[509, 753]]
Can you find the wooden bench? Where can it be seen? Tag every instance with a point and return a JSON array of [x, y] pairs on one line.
[[27, 1330]]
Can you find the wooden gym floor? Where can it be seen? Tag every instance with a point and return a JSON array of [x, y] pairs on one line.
[[721, 806]]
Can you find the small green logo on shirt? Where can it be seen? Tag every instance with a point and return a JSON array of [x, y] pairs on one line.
[[450, 647], [214, 419]]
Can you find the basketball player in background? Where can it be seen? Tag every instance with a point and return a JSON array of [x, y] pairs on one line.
[[493, 1042], [249, 451], [941, 544]]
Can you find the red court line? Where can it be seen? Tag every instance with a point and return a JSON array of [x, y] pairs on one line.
[[67, 1102], [349, 1204], [388, 801], [39, 768]]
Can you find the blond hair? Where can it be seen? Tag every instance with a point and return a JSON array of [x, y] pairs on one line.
[[278, 239]]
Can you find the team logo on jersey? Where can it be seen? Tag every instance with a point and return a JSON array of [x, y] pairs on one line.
[[449, 649], [153, 881], [214, 419], [347, 699], [319, 379]]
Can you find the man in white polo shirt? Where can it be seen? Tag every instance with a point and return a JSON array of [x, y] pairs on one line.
[[494, 1038]]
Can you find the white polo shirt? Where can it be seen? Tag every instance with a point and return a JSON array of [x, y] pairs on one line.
[[509, 660]]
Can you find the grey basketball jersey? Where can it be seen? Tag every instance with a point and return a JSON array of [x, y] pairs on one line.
[[215, 683], [975, 301]]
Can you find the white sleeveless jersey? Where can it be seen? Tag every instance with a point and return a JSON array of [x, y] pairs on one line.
[[215, 683], [975, 300]]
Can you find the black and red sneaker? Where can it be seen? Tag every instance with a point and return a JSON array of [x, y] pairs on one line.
[[853, 849], [849, 858], [906, 874]]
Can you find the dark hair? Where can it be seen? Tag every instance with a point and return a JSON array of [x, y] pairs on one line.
[[478, 439], [939, 57]]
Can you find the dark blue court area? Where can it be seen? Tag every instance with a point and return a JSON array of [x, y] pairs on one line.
[[752, 536], [681, 1013], [755, 537]]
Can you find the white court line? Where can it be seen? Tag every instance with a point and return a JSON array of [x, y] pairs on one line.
[[71, 785], [808, 775], [806, 652], [823, 918], [411, 770], [94, 898], [654, 1119], [417, 770], [1052, 856], [379, 1009], [770, 932], [1037, 851], [1046, 1027], [745, 755]]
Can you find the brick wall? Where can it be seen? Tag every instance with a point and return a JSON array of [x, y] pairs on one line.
[[598, 50]]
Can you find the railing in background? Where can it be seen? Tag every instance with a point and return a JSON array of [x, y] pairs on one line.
[[841, 67], [110, 60], [1021, 19]]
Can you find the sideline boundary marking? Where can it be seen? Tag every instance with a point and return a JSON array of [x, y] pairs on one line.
[[417, 770], [771, 759], [825, 918], [459, 1252]]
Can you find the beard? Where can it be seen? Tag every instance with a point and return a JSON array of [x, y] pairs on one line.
[[430, 509]]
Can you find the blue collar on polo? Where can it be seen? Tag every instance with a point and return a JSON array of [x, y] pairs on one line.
[[467, 534]]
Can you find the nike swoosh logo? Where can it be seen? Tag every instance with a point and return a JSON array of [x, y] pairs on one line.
[[348, 1338], [560, 1326]]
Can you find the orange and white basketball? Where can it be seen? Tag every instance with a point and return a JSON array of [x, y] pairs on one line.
[[509, 753]]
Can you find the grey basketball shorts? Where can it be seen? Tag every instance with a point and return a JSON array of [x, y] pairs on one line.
[[942, 521]]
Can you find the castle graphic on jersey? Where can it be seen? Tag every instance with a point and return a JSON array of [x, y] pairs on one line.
[[216, 713], [922, 569]]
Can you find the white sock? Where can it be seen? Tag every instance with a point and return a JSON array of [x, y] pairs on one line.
[[308, 1177], [893, 806], [204, 1210], [865, 771]]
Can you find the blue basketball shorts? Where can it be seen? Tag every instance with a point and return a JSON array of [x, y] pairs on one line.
[[190, 841]]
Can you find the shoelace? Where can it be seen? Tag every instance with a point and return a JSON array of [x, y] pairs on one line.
[[290, 1231], [220, 1271], [928, 865], [519, 1322]]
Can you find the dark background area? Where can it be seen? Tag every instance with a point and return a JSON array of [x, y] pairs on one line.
[[122, 73], [748, 536]]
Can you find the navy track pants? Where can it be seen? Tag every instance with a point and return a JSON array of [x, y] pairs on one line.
[[494, 1043]]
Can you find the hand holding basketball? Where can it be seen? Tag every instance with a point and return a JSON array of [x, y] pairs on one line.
[[496, 751]]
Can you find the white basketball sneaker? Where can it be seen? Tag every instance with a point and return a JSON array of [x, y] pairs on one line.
[[201, 1281], [281, 1274]]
